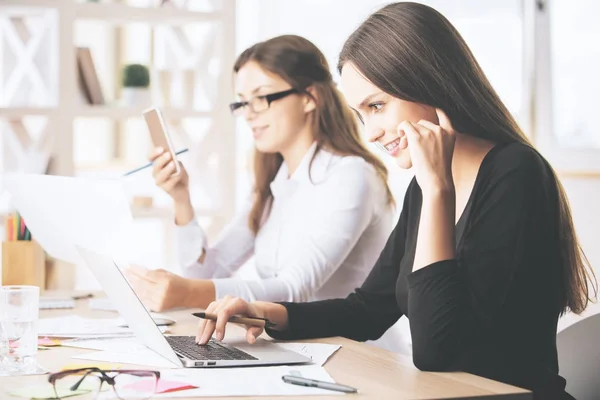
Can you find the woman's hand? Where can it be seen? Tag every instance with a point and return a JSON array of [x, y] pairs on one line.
[[177, 186], [161, 290], [225, 309], [431, 149]]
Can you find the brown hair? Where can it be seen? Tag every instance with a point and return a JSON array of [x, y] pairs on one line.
[[412, 52], [301, 64]]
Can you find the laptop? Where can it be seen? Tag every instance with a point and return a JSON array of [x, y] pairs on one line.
[[180, 350]]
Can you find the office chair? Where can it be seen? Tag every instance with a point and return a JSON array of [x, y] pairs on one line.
[[579, 358]]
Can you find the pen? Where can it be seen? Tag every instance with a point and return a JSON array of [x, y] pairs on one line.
[[298, 380], [263, 322], [150, 164]]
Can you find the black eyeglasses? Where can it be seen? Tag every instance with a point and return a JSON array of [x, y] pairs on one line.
[[259, 103], [86, 383]]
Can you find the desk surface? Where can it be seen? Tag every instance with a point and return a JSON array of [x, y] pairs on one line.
[[376, 373]]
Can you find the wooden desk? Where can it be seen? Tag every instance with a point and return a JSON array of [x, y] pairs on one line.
[[377, 373]]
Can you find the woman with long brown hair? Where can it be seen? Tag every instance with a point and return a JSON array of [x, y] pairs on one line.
[[484, 258], [320, 211]]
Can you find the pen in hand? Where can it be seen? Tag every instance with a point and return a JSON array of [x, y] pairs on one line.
[[300, 381], [252, 321]]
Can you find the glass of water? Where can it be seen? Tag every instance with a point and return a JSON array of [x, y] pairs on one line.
[[19, 310]]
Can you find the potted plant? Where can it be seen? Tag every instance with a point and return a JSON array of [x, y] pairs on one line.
[[136, 83]]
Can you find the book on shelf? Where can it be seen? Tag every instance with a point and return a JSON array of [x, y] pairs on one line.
[[88, 78]]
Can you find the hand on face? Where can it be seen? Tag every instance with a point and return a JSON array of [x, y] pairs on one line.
[[163, 173], [159, 290], [225, 309], [431, 148]]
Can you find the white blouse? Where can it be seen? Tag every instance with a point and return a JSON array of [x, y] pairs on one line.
[[320, 240]]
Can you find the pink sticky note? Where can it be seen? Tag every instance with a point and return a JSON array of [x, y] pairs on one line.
[[163, 386]]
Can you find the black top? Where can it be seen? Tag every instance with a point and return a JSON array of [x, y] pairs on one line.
[[492, 311]]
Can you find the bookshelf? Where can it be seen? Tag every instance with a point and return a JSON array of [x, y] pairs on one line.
[[54, 94]]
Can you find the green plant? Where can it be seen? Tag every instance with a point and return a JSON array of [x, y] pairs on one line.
[[136, 75]]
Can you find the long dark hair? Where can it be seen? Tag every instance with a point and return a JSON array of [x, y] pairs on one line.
[[301, 64], [414, 53]]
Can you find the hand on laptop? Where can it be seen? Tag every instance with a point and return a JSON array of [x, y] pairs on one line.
[[225, 309], [230, 306], [159, 290]]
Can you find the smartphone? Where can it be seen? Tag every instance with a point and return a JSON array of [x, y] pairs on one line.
[[159, 134]]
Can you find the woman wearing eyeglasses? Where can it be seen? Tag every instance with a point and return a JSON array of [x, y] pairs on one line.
[[484, 258], [320, 211]]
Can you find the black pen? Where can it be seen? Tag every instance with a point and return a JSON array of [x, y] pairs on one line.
[[151, 163], [298, 380]]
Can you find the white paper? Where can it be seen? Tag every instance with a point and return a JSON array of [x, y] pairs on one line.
[[319, 353], [76, 326], [63, 211], [139, 356], [254, 381], [115, 344]]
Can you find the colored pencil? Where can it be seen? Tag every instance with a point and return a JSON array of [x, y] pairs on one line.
[[9, 228]]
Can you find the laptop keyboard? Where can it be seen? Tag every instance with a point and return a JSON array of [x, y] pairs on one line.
[[186, 346]]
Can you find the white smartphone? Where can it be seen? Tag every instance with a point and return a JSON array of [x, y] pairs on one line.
[[159, 134]]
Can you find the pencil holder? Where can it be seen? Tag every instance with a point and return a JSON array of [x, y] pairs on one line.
[[23, 263]]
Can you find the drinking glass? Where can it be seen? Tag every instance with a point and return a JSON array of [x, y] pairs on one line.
[[19, 310]]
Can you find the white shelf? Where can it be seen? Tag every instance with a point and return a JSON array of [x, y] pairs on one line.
[[134, 112], [102, 112], [121, 13]]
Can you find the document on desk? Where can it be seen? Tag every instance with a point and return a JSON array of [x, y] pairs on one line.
[[319, 353], [76, 326], [249, 381], [138, 356], [64, 211], [118, 344]]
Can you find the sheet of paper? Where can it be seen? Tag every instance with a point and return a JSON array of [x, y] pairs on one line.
[[74, 326], [90, 364], [119, 345], [142, 356], [319, 353], [39, 370], [163, 386], [45, 392], [255, 381], [79, 327], [64, 211]]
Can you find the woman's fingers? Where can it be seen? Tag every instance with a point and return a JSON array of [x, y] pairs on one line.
[[252, 333], [163, 176], [231, 307], [155, 153], [206, 325], [160, 163]]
